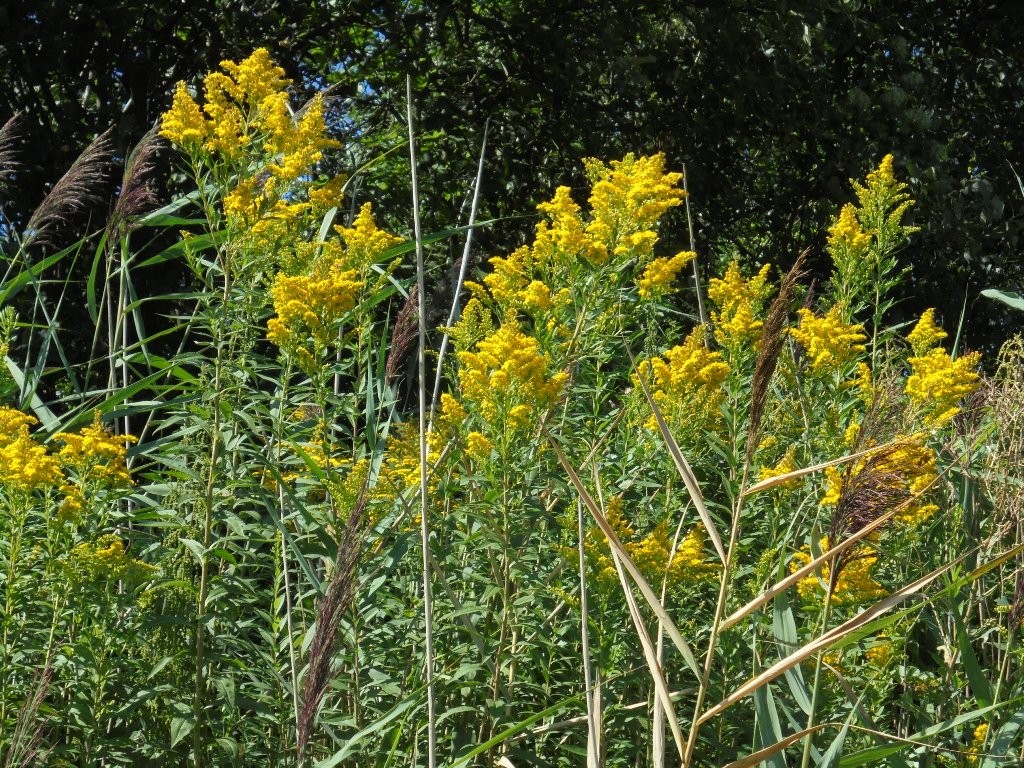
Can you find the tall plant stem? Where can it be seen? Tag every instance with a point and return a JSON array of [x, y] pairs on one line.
[[421, 360], [723, 595], [805, 760], [198, 697], [701, 312]]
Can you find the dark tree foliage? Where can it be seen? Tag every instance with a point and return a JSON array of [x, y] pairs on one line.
[[772, 107]]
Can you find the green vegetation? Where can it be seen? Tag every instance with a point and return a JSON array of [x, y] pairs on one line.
[[786, 531]]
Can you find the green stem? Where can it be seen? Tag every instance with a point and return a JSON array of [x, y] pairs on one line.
[[805, 760]]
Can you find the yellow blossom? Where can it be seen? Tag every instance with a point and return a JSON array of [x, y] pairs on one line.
[[686, 384], [478, 446], [627, 199], [364, 240], [508, 372], [785, 465], [26, 466], [926, 334], [830, 342], [183, 123], [739, 303], [846, 239], [564, 238], [977, 744], [855, 583], [106, 560], [938, 383], [660, 273], [96, 454]]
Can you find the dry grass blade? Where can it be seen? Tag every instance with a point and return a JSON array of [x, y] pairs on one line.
[[74, 191], [683, 466], [657, 674], [828, 639], [618, 549], [336, 600], [772, 338], [762, 754]]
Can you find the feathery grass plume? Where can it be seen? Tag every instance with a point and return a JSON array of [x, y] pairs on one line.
[[8, 156], [1005, 395], [75, 191], [137, 191], [331, 607], [403, 334], [28, 731], [772, 340]]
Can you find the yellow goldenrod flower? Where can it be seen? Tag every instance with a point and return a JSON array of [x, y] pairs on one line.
[[478, 446], [830, 342], [686, 384], [565, 238], [659, 274], [926, 334], [846, 239], [364, 240], [977, 744], [184, 123], [628, 198], [854, 585], [739, 303], [26, 466], [106, 560], [785, 465], [938, 383], [96, 454], [507, 377]]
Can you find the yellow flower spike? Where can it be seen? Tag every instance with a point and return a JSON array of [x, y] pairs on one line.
[[364, 241], [508, 374], [938, 383], [855, 583], [926, 334], [184, 123], [846, 234], [96, 454], [686, 383], [26, 464], [977, 744], [659, 274], [478, 446], [565, 237], [785, 465], [830, 342], [739, 302], [256, 77]]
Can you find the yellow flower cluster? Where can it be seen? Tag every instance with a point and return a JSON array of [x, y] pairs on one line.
[[846, 239], [96, 454], [627, 199], [651, 553], [686, 384], [739, 303], [565, 238], [512, 284], [106, 560], [785, 465], [855, 584], [246, 111], [660, 273], [977, 744], [309, 306], [506, 377], [926, 334], [830, 342], [26, 464], [938, 383]]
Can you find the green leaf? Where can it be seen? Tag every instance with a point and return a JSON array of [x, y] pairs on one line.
[[1014, 300]]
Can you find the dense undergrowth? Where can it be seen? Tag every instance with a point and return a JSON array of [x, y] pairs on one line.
[[787, 528]]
